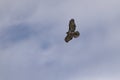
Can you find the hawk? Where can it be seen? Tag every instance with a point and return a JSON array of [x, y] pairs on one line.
[[71, 32]]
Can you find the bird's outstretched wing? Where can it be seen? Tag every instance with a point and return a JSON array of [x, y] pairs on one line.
[[68, 37], [72, 25]]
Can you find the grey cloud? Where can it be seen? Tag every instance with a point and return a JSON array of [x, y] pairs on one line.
[[45, 55], [15, 34], [15, 12]]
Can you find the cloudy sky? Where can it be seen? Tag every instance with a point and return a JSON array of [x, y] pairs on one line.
[[32, 45]]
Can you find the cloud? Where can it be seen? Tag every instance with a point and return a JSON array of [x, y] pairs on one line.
[[14, 34], [15, 11], [32, 40]]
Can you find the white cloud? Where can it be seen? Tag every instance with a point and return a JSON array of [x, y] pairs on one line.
[[44, 54]]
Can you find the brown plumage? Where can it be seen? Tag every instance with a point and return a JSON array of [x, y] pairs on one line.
[[71, 32], [72, 25]]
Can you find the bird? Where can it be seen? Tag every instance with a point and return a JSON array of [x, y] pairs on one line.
[[71, 32]]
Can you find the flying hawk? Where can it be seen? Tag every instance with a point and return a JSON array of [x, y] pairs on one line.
[[71, 32]]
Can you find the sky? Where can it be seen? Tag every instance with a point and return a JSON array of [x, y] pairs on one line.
[[32, 45]]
